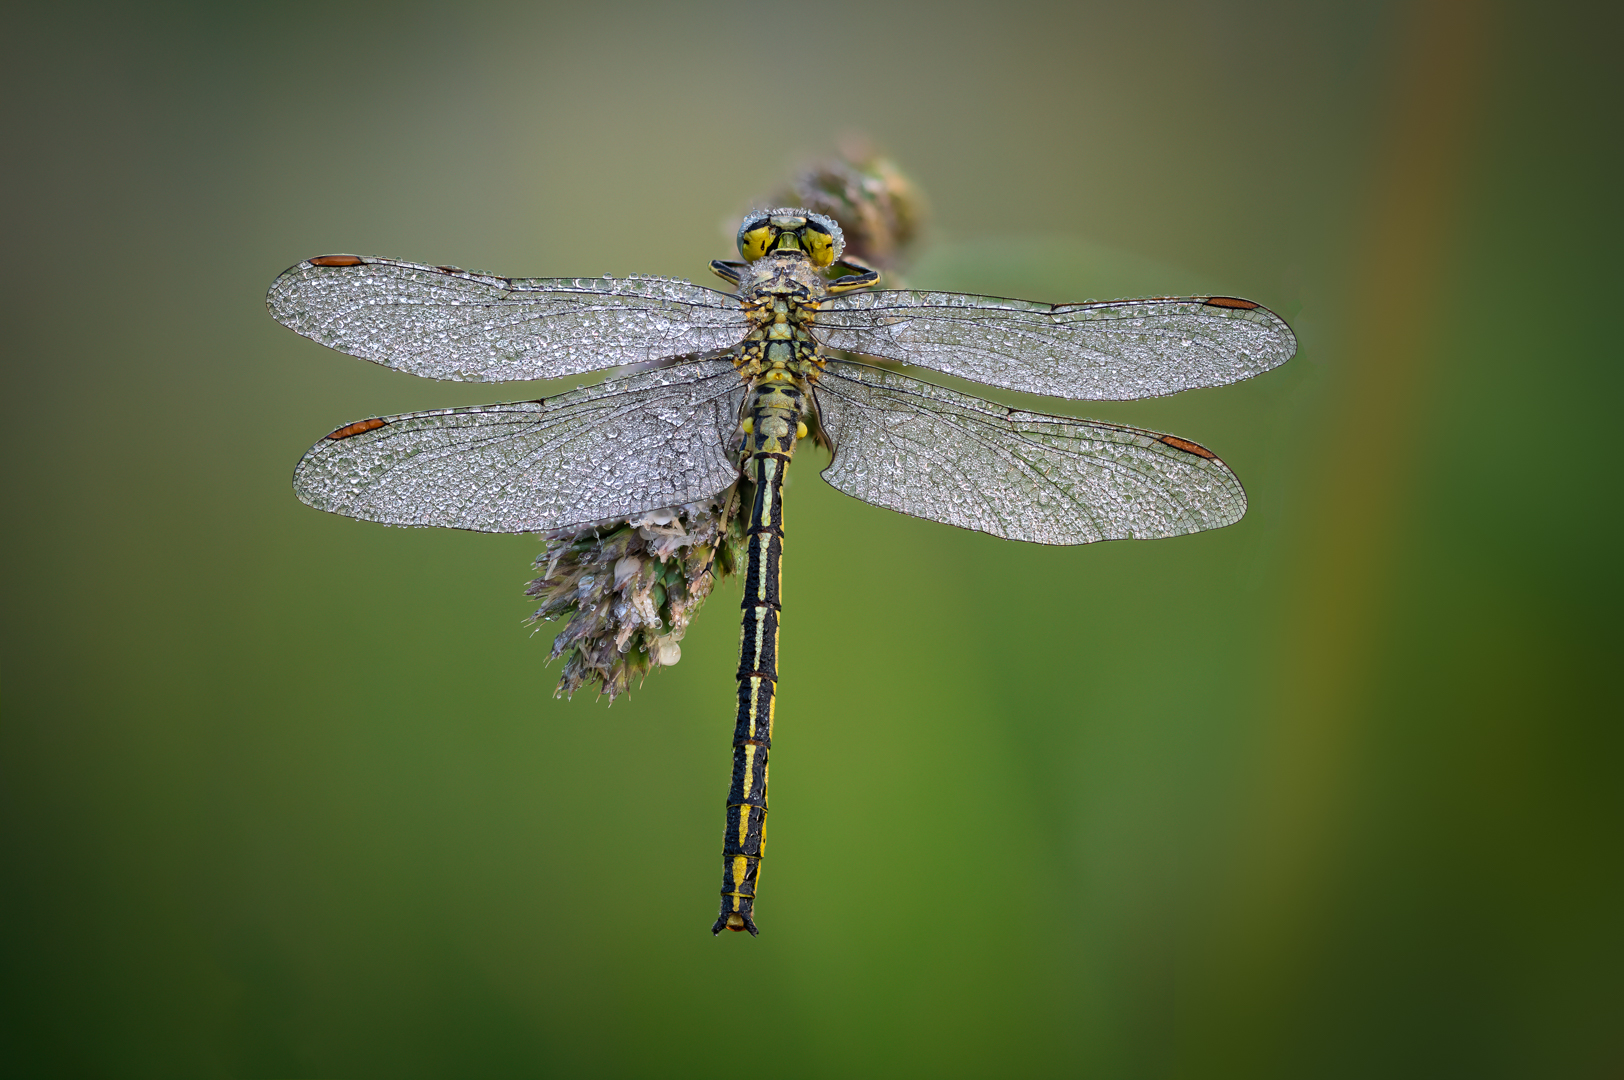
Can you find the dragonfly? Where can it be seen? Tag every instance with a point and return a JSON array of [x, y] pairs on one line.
[[710, 394]]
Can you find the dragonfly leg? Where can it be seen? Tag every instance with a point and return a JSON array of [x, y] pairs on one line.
[[730, 272], [848, 273]]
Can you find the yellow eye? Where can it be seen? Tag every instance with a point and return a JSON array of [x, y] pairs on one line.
[[753, 244], [818, 244]]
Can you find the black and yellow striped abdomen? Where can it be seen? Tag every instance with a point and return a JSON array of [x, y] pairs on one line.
[[744, 838]]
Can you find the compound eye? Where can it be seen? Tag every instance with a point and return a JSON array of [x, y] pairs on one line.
[[818, 244], [754, 242]]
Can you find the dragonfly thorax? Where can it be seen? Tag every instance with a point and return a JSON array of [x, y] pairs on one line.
[[787, 275], [780, 294]]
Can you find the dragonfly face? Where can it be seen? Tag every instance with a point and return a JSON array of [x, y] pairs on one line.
[[650, 485], [791, 230]]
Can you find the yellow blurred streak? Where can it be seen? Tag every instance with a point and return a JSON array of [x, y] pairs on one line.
[[1265, 928]]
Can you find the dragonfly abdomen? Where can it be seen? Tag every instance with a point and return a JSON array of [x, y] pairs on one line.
[[745, 832], [771, 427]]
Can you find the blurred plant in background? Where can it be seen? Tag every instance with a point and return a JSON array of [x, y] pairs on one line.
[[879, 209]]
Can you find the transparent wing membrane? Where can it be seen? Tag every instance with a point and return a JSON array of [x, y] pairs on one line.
[[933, 453], [663, 438], [1112, 351], [444, 323], [614, 450]]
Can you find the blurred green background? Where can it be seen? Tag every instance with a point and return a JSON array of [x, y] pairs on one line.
[[1331, 793]]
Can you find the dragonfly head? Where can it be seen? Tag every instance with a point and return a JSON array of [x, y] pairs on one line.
[[790, 229]]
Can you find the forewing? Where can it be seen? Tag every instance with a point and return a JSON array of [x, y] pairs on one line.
[[938, 454], [445, 323], [1111, 351], [614, 450]]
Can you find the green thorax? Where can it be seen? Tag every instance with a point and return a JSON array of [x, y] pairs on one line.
[[780, 294]]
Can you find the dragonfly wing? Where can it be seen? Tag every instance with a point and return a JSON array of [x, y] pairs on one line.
[[445, 323], [1111, 351], [614, 450], [934, 453]]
